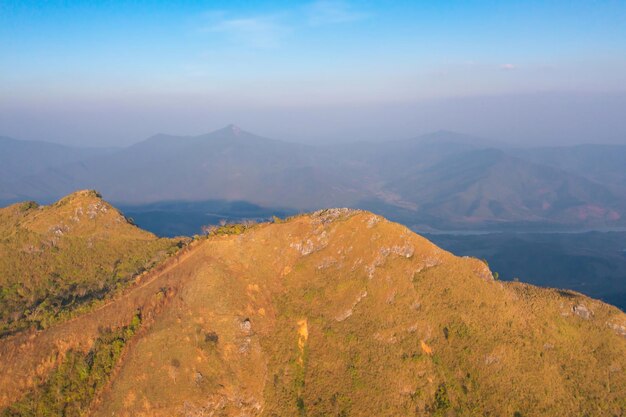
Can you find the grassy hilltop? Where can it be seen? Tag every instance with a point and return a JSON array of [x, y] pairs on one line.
[[60, 258], [335, 313]]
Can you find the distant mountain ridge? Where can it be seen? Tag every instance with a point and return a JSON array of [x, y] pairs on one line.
[[605, 164], [23, 158], [444, 179]]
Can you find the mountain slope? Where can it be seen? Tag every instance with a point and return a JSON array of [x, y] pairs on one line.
[[605, 164], [392, 159], [228, 164], [60, 258], [338, 313], [22, 157], [489, 186]]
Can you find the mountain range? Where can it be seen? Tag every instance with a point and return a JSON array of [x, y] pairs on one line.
[[442, 180]]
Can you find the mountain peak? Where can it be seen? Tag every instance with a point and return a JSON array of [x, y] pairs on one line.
[[233, 129], [81, 195], [233, 133]]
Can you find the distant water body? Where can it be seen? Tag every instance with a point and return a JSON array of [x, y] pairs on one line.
[[513, 232]]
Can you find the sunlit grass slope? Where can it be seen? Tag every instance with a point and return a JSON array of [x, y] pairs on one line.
[[63, 257], [336, 313], [344, 313]]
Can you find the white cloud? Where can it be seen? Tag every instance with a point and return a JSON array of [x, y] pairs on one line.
[[268, 31], [254, 31], [323, 12], [507, 67]]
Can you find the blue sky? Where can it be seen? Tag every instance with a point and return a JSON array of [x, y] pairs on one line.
[[145, 55]]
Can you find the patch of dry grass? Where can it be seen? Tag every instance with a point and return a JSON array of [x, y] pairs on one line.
[[60, 260]]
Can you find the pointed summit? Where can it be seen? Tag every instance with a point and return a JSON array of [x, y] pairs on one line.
[[233, 133], [235, 130], [231, 130]]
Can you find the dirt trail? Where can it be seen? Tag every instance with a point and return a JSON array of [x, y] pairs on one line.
[[25, 358], [144, 280]]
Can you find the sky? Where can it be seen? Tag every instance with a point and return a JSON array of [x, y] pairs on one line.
[[110, 73]]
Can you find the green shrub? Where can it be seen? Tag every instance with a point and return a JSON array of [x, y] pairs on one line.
[[229, 229], [72, 386], [44, 285], [442, 403], [28, 205]]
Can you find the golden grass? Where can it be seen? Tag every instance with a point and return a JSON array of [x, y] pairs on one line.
[[346, 314], [60, 260]]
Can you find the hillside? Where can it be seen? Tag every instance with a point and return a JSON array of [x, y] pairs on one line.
[[22, 158], [605, 164], [228, 164], [60, 258], [488, 187], [338, 312]]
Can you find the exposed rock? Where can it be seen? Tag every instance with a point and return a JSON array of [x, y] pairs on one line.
[[326, 262], [483, 271], [305, 248], [330, 215], [209, 410], [59, 229], [405, 251], [491, 359], [198, 378], [618, 328], [348, 312], [372, 221], [96, 208], [245, 325], [582, 311], [244, 347], [312, 244]]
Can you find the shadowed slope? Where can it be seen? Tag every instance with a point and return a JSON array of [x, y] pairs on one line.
[[487, 187], [21, 158], [229, 164]]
